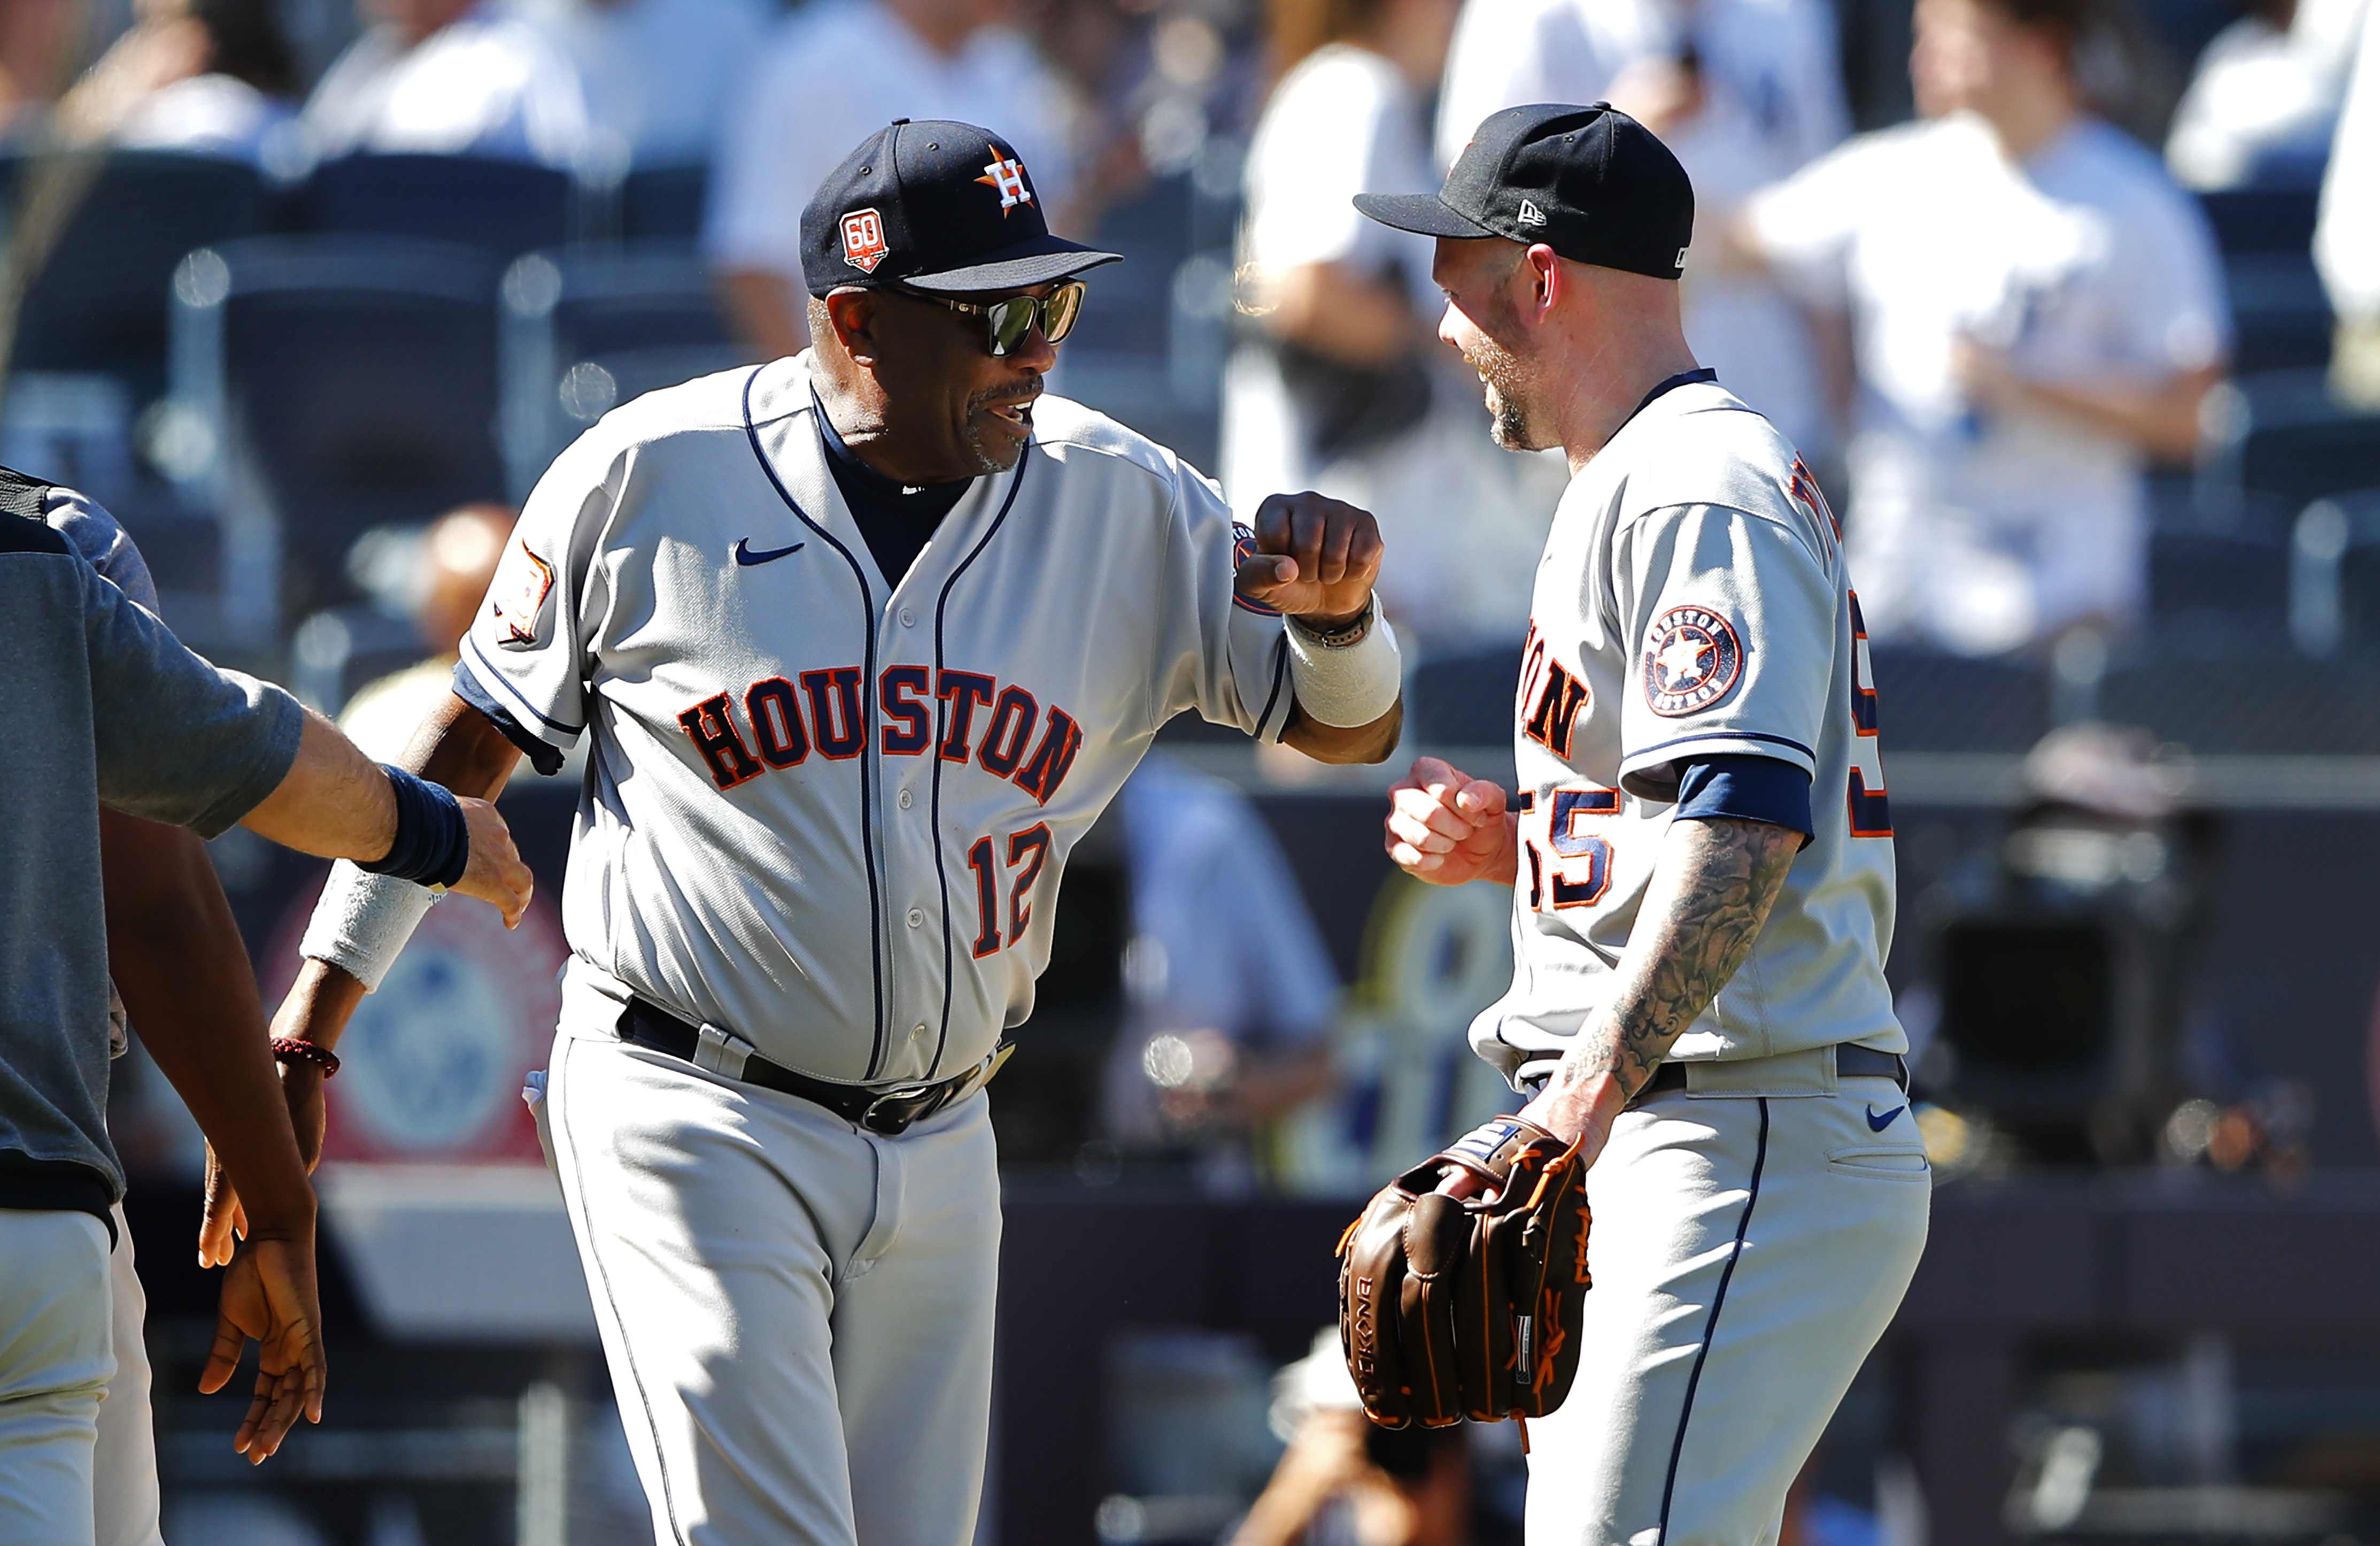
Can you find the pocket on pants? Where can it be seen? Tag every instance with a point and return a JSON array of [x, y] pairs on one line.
[[1881, 1163]]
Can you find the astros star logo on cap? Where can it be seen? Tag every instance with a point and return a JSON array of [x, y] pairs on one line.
[[1006, 176]]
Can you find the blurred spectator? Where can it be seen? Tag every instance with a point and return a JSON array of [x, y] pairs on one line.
[[451, 77], [1744, 91], [1339, 385], [35, 37], [2347, 241], [1231, 993], [2037, 311], [1344, 1482], [211, 77], [2263, 99], [454, 565], [836, 72], [657, 75]]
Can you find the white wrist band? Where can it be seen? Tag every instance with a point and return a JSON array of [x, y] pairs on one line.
[[1350, 685], [363, 920]]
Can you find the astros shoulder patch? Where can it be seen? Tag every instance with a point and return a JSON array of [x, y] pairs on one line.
[[1692, 660]]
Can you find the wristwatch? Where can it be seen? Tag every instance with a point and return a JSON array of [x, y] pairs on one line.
[[1350, 632]]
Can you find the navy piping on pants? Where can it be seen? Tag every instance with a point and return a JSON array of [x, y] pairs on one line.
[[1710, 1327]]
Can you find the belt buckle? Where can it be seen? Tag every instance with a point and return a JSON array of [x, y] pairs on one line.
[[890, 1116]]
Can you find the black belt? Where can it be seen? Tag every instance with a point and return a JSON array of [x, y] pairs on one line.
[[1851, 1063], [888, 1111]]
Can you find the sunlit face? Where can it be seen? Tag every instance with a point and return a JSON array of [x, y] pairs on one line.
[[1967, 52], [1482, 324], [949, 402]]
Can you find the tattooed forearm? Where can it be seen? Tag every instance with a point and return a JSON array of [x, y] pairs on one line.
[[1709, 895]]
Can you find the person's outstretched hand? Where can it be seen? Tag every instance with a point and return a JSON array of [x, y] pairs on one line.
[[222, 1222], [268, 1295], [1448, 828], [495, 872]]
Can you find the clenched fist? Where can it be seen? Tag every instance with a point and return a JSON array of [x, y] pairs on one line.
[[1315, 558], [1448, 828]]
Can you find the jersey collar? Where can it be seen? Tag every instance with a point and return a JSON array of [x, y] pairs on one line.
[[1683, 378]]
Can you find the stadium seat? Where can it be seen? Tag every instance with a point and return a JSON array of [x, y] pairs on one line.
[[335, 384], [2335, 573], [2281, 318], [2261, 219], [2279, 441], [587, 329], [1931, 702], [2276, 704], [2218, 589], [2280, 315], [506, 207], [1464, 697], [663, 204], [99, 303]]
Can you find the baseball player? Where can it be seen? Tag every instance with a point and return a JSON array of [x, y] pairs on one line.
[[864, 640], [1699, 850]]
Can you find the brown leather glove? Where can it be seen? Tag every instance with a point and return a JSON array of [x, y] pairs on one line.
[[1451, 1309]]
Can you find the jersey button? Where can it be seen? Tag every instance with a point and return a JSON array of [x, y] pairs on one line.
[[908, 618], [916, 918], [907, 800]]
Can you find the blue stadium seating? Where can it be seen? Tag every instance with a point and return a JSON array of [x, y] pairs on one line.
[[506, 207], [99, 303], [342, 383], [588, 328], [2282, 441], [663, 204]]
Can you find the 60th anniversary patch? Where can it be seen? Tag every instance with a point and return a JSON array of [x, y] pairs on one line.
[[1692, 660]]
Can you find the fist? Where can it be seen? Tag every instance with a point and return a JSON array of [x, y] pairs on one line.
[[1448, 828], [1315, 558]]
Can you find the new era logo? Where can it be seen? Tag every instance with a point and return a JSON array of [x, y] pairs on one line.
[[1531, 215], [863, 240]]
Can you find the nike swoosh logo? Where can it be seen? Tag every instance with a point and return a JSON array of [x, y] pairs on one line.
[[745, 555], [1877, 1124]]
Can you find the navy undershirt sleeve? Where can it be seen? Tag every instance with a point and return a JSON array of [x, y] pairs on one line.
[[542, 756], [1747, 789]]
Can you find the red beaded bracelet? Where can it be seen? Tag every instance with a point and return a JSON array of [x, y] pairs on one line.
[[288, 1049]]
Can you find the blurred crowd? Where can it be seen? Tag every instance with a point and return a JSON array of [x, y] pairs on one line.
[[1984, 327]]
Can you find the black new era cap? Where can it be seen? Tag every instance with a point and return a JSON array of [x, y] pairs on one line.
[[1592, 183], [937, 206]]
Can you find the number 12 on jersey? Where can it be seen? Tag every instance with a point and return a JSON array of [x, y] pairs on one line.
[[1027, 852]]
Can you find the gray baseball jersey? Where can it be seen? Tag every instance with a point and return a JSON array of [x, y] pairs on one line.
[[826, 810], [1692, 602]]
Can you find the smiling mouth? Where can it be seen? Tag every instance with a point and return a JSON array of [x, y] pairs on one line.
[[1018, 413]]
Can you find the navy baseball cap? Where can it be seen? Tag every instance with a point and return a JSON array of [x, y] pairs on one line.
[[1592, 183], [934, 205]]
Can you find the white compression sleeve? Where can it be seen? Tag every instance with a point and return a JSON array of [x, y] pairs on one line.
[[363, 920], [1351, 685]]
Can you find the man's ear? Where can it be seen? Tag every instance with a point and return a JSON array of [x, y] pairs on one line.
[[852, 313], [1542, 268]]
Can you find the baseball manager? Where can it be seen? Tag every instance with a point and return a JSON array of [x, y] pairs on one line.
[[864, 640], [1700, 854]]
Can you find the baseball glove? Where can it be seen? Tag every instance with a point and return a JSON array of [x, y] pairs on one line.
[[1452, 1308]]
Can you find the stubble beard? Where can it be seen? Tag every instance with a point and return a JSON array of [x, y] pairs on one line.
[[1510, 418]]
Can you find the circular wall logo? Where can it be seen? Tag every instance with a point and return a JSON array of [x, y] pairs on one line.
[[1692, 660]]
